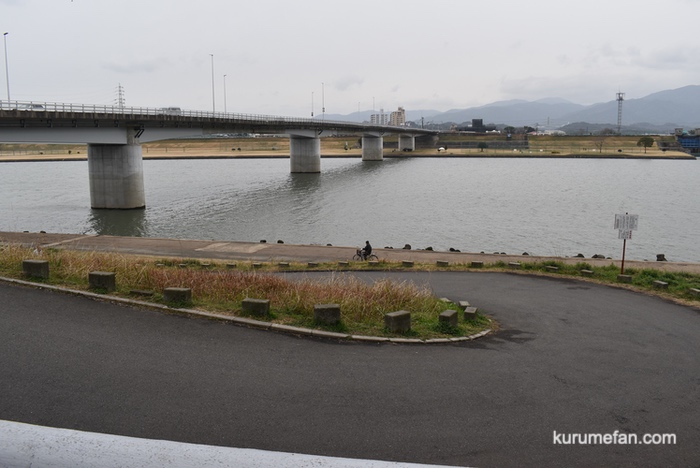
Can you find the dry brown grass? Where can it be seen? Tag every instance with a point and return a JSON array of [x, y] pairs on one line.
[[219, 289]]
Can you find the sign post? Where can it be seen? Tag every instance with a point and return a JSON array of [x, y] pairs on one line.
[[625, 224]]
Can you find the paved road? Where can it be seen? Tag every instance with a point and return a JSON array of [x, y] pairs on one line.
[[571, 357]]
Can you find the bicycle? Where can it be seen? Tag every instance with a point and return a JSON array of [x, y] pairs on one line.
[[360, 256]]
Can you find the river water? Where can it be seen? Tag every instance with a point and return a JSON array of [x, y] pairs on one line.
[[558, 207]]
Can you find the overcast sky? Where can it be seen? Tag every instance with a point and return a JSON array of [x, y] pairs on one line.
[[430, 54]]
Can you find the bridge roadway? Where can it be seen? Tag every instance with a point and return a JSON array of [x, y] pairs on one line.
[[570, 357], [114, 134]]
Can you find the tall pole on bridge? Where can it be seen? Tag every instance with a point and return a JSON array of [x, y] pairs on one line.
[[7, 70], [224, 94], [213, 99]]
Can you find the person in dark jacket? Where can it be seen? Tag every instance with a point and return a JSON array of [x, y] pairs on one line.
[[366, 250]]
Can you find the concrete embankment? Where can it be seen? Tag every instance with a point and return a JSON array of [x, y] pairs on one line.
[[272, 252]]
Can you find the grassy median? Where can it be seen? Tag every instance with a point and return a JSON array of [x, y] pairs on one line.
[[221, 287]]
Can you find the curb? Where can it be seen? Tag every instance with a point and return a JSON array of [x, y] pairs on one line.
[[248, 322]]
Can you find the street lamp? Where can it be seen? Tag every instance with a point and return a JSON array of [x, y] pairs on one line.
[[213, 99], [323, 101], [7, 71], [224, 94]]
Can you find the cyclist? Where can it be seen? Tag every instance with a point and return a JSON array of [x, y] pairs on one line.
[[366, 250]]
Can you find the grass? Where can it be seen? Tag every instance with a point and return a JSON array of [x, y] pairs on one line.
[[220, 289], [217, 288]]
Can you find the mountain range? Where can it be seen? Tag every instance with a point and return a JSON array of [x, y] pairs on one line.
[[661, 111]]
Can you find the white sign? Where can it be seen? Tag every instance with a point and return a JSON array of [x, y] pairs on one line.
[[626, 222], [624, 234]]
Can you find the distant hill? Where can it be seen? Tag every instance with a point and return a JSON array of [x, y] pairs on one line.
[[658, 112], [516, 113]]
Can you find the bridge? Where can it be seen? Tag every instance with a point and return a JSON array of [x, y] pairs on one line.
[[114, 135]]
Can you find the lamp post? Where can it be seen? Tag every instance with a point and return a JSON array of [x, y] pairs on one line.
[[224, 94], [7, 71], [213, 99], [323, 101]]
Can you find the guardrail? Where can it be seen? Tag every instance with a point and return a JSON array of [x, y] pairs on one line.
[[38, 106]]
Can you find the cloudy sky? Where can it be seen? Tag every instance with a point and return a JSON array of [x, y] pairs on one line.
[[280, 55]]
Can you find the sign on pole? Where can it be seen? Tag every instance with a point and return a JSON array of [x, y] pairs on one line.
[[625, 224], [624, 234]]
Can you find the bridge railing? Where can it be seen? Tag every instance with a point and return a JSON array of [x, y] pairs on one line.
[[42, 106]]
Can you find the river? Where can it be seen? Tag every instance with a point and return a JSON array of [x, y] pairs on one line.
[[558, 207]]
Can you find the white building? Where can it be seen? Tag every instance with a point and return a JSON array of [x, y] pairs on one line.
[[379, 119], [398, 118]]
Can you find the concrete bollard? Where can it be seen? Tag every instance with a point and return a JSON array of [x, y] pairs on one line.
[[660, 284], [463, 304], [373, 263], [312, 264], [624, 278], [551, 268], [257, 265], [180, 295], [470, 313], [586, 272], [327, 314], [230, 265], [283, 264], [259, 307], [449, 317], [36, 268], [102, 280], [398, 322], [407, 263], [477, 264], [442, 263], [343, 264], [514, 265], [694, 292]]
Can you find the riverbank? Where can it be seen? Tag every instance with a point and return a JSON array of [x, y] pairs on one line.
[[449, 146], [675, 281], [279, 252]]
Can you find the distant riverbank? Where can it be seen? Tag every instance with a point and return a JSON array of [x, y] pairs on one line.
[[456, 146]]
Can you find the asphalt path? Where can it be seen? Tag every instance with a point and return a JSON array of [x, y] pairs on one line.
[[570, 357]]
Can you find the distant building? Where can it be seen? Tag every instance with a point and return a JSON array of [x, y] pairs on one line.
[[379, 119], [690, 141], [398, 117], [477, 126]]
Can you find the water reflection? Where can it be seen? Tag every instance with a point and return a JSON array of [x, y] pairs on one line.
[[118, 222]]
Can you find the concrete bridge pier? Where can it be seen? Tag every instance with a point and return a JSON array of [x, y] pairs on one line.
[[304, 151], [407, 142], [372, 147], [116, 176]]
